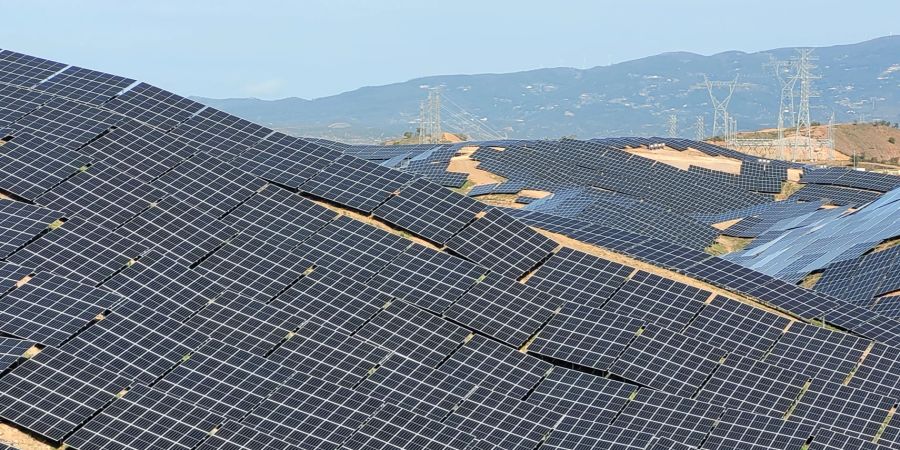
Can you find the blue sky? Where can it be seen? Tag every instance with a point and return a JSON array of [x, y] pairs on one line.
[[315, 48]]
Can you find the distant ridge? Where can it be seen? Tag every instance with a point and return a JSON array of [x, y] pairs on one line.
[[630, 98]]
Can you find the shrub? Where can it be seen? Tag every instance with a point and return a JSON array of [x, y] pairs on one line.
[[892, 140]]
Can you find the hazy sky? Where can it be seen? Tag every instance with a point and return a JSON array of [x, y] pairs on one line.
[[315, 48]]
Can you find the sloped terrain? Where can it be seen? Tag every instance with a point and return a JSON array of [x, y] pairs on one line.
[[187, 287], [629, 98]]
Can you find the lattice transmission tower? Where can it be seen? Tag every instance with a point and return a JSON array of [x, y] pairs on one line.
[[786, 75], [673, 125], [430, 131], [700, 133], [805, 75], [720, 126]]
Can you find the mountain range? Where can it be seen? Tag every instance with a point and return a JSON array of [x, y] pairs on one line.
[[857, 81]]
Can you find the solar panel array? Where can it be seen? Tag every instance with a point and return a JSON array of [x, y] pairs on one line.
[[841, 176], [200, 291]]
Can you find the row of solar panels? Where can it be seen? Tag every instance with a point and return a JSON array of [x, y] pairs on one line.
[[731, 276], [868, 281], [550, 164], [845, 177], [185, 255], [813, 241], [682, 362], [626, 213]]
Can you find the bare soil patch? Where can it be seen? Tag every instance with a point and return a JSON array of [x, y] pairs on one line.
[[687, 158], [21, 440]]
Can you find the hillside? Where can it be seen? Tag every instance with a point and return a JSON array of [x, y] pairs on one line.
[[629, 98], [870, 142], [175, 277]]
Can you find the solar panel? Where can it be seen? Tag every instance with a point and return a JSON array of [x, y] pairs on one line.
[[725, 273], [352, 248], [224, 380], [135, 342], [253, 268], [501, 420], [501, 243], [209, 184], [668, 361], [286, 160], [525, 200], [173, 227], [433, 393], [154, 106], [30, 165], [164, 285], [102, 194], [236, 436], [429, 210], [657, 300], [817, 352], [220, 134], [12, 351], [356, 183], [585, 336], [581, 395], [328, 354], [334, 299], [427, 278], [668, 444], [311, 413], [830, 440], [414, 333], [574, 433], [882, 329], [20, 223], [494, 366], [681, 419], [65, 123], [16, 102], [736, 327], [11, 275], [835, 195], [745, 430], [579, 278], [139, 151], [49, 309], [667, 255], [393, 428], [78, 250], [503, 308], [279, 217], [85, 85], [891, 435], [439, 176], [848, 410], [247, 324], [415, 387], [887, 306], [146, 418], [53, 392], [25, 70], [750, 385], [789, 297], [878, 371]]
